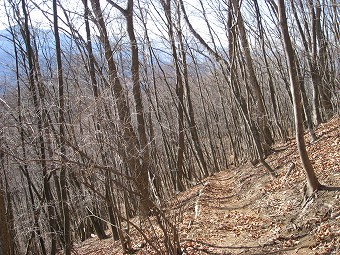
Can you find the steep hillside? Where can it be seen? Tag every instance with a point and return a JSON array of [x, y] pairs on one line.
[[245, 211]]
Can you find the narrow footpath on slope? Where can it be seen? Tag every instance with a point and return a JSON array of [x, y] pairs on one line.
[[244, 210]]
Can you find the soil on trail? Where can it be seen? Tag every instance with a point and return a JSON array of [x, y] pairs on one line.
[[244, 210]]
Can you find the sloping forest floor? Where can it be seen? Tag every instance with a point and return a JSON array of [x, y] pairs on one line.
[[244, 210]]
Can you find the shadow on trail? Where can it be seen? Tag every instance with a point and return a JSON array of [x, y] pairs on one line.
[[208, 198], [329, 188], [262, 247], [225, 208]]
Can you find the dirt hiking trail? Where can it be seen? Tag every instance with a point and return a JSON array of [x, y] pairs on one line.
[[243, 210]]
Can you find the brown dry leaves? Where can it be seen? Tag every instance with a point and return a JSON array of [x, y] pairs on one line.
[[243, 210]]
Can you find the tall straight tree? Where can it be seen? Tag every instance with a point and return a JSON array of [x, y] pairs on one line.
[[133, 146], [262, 35], [42, 155], [312, 182], [137, 94], [252, 75], [180, 95], [191, 114], [24, 168], [96, 93], [62, 137], [5, 243]]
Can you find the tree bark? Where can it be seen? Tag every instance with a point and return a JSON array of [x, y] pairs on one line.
[[180, 95], [41, 139], [5, 240], [312, 182], [62, 138], [133, 145], [252, 77]]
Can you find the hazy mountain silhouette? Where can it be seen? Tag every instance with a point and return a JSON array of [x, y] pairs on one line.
[[45, 45]]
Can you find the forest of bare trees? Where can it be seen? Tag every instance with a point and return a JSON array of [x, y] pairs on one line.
[[112, 107]]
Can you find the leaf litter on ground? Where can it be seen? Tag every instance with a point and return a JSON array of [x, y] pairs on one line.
[[243, 210]]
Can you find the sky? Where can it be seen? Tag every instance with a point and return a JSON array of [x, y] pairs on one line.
[[41, 17], [76, 10]]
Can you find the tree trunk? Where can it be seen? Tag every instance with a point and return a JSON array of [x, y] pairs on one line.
[[5, 243], [143, 173], [191, 114], [312, 182], [133, 145], [62, 138], [99, 135], [269, 72], [41, 140], [180, 95], [252, 77]]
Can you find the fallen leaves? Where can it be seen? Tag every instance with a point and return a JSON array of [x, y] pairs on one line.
[[243, 210]]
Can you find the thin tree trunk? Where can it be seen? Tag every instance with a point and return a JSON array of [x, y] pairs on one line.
[[42, 148], [142, 173], [133, 145], [191, 113], [323, 68], [97, 120], [180, 95], [269, 73], [24, 168], [312, 182], [5, 239], [62, 138], [252, 77]]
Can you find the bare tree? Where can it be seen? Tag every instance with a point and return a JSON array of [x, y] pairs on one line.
[[252, 76], [128, 118], [312, 182], [5, 244], [131, 140], [143, 170], [62, 138]]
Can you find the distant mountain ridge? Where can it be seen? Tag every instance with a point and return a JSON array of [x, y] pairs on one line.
[[6, 53], [45, 46], [46, 50]]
